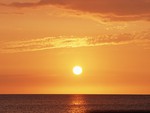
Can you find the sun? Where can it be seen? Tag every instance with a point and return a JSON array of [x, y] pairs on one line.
[[77, 70]]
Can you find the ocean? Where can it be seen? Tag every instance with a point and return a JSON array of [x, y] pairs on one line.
[[74, 103]]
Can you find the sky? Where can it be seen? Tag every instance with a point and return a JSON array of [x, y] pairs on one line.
[[42, 40]]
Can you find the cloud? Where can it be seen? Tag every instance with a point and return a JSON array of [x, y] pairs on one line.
[[72, 42], [10, 80], [11, 13], [116, 10]]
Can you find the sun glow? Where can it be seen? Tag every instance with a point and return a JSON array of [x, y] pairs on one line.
[[77, 70]]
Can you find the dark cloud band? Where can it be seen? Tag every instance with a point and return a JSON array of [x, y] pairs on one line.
[[116, 10]]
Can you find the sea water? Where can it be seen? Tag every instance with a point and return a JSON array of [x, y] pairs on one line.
[[74, 103]]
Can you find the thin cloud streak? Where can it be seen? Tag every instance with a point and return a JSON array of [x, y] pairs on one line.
[[11, 13], [73, 42]]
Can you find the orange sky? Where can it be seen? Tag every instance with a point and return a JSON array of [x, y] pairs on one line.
[[41, 41]]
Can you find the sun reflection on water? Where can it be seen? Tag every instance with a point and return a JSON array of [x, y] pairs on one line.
[[77, 104]]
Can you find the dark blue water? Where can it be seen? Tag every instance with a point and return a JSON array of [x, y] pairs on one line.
[[74, 103]]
